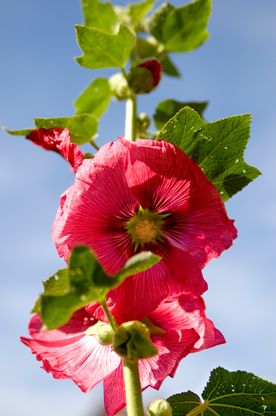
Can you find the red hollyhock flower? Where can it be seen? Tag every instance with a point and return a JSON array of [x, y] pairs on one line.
[[178, 326], [145, 195], [155, 68], [59, 141]]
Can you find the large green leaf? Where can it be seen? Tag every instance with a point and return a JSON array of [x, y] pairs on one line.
[[95, 98], [166, 109], [82, 127], [137, 11], [236, 393], [181, 29], [217, 147], [85, 281], [104, 50], [99, 15]]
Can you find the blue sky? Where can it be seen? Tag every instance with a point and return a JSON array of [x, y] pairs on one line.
[[236, 72]]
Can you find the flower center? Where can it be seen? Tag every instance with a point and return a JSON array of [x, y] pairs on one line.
[[145, 227]]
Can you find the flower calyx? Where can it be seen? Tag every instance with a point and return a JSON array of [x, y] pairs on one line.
[[132, 341], [159, 408]]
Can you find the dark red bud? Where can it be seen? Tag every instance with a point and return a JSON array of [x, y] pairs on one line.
[[155, 67]]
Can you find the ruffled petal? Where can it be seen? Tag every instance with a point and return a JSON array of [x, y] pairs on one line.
[[138, 295], [164, 179], [94, 211], [114, 392], [155, 175], [70, 353], [185, 312], [171, 349]]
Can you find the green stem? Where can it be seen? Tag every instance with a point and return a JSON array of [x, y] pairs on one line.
[[109, 316], [133, 389], [94, 144], [130, 123]]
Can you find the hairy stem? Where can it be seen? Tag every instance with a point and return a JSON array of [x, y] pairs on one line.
[[133, 389], [130, 121]]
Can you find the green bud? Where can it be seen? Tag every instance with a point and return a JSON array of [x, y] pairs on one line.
[[119, 86], [143, 122], [159, 408], [132, 341], [140, 80], [104, 334], [102, 331]]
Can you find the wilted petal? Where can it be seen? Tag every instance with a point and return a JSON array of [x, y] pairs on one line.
[[59, 141]]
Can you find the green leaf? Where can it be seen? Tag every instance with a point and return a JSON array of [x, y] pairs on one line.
[[168, 66], [95, 98], [181, 29], [228, 393], [58, 284], [168, 108], [85, 281], [25, 132], [82, 127], [217, 147], [99, 15], [137, 11], [138, 263], [104, 50]]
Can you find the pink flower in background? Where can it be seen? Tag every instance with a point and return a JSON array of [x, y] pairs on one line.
[[179, 326], [59, 141], [145, 195]]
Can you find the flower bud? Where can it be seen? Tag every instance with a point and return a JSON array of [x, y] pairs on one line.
[[132, 341], [119, 86], [102, 331], [143, 122], [155, 68], [145, 77], [104, 334], [159, 408]]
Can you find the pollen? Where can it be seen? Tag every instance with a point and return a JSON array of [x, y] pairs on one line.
[[146, 231], [146, 227]]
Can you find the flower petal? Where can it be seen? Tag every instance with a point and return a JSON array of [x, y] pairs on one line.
[[171, 349], [164, 179], [58, 140], [95, 209], [138, 295], [114, 392], [69, 353]]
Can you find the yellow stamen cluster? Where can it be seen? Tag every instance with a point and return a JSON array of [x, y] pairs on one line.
[[145, 227]]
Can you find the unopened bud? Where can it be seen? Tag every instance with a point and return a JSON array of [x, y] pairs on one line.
[[146, 76], [104, 334], [143, 122], [119, 86], [159, 408], [155, 68], [102, 331], [132, 341]]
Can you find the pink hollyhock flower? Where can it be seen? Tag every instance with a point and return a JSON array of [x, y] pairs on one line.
[[59, 141], [178, 326], [155, 68], [145, 195]]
